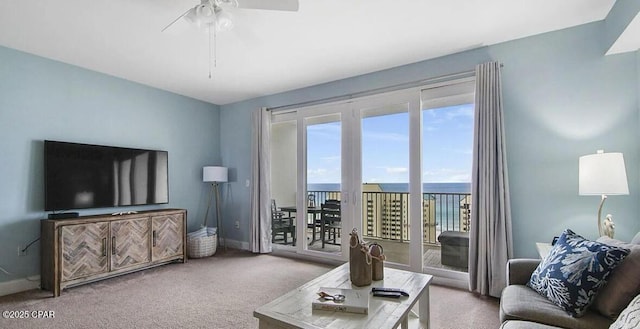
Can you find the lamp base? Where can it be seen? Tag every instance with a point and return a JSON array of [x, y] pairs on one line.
[[608, 226], [600, 231], [221, 241]]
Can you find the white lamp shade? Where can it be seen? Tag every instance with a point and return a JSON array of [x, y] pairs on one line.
[[602, 174], [214, 174]]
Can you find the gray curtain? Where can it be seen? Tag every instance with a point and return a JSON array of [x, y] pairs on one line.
[[490, 239], [260, 181]]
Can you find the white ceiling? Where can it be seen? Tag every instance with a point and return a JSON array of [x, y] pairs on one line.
[[270, 51]]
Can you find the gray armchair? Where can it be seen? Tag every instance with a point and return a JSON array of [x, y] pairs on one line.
[[523, 307]]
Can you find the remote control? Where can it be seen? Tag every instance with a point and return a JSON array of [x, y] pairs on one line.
[[396, 290], [388, 294]]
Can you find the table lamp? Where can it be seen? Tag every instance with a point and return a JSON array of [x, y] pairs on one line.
[[215, 175], [603, 174]]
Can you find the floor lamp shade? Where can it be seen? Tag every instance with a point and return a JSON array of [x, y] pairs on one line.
[[215, 174], [603, 173]]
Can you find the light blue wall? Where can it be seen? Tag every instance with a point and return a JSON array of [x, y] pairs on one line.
[[44, 99], [562, 99]]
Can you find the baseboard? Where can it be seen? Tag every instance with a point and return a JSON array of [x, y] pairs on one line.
[[305, 257], [452, 283], [19, 285], [448, 278], [235, 244]]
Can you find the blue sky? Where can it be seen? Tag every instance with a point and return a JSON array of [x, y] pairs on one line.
[[446, 148]]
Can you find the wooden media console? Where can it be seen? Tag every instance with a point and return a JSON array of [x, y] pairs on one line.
[[90, 248]]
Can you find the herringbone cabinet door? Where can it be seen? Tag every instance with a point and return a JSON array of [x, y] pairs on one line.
[[84, 250], [130, 242], [167, 236]]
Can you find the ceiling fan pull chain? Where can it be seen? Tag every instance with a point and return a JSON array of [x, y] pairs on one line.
[[215, 46], [209, 58], [212, 45]]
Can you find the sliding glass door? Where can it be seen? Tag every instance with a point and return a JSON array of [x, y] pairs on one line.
[[308, 177], [284, 145], [369, 157], [323, 136], [447, 142], [384, 167]]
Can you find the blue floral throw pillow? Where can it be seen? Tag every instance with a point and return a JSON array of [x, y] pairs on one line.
[[573, 272]]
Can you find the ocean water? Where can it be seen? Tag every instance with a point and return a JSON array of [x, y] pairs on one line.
[[403, 187]]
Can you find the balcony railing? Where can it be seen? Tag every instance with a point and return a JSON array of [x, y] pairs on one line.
[[386, 214]]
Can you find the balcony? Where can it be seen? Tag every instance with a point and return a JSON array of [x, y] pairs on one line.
[[386, 220]]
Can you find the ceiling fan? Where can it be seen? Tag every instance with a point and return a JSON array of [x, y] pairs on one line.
[[211, 13]]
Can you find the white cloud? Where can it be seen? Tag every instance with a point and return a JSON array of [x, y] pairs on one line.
[[396, 170], [323, 175], [317, 172], [460, 112], [331, 158], [395, 137], [326, 132]]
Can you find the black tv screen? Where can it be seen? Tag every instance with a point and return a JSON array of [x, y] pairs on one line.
[[80, 176]]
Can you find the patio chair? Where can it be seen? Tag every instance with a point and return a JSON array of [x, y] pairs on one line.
[[313, 221], [282, 225], [331, 222]]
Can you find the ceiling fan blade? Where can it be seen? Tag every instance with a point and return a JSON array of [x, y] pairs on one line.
[[177, 19], [285, 5]]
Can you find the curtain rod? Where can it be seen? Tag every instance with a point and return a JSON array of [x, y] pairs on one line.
[[418, 83]]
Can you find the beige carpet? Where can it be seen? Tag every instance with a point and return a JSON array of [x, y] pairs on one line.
[[216, 292]]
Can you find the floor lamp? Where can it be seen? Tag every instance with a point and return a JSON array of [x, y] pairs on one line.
[[602, 174], [215, 176]]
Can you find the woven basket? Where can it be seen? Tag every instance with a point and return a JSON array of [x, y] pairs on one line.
[[202, 246], [202, 243]]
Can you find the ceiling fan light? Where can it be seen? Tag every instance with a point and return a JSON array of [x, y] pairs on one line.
[[205, 11], [224, 21], [205, 14]]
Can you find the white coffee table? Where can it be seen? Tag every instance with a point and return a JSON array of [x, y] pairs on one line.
[[293, 310]]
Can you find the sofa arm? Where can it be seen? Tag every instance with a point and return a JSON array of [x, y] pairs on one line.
[[519, 270]]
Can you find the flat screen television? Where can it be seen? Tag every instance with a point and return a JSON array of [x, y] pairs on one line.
[[81, 176]]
